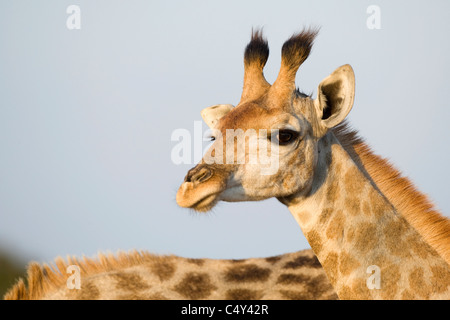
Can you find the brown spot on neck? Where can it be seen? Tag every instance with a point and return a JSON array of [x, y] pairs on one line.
[[332, 192], [195, 285], [417, 283], [88, 291], [247, 273], [390, 278], [290, 278], [363, 237], [303, 261], [315, 241], [274, 259], [347, 263], [352, 205], [129, 281], [314, 288], [329, 264], [336, 225], [198, 262], [352, 185], [163, 267], [440, 279]]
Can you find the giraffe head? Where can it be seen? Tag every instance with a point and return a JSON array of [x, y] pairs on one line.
[[266, 146]]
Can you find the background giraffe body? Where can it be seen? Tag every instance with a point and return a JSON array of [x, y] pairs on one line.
[[136, 275]]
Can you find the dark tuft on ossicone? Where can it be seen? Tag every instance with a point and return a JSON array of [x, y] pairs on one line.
[[257, 50], [296, 50]]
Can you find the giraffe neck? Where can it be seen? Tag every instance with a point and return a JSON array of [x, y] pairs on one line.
[[368, 250]]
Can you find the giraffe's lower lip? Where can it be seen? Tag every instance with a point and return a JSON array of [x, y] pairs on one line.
[[206, 203], [199, 200]]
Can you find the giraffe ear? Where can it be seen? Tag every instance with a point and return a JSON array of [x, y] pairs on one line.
[[335, 97], [211, 115]]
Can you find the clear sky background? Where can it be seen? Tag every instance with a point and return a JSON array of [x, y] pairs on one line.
[[86, 116]]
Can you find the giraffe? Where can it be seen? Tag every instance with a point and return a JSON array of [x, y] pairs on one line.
[[391, 224], [374, 233], [144, 276]]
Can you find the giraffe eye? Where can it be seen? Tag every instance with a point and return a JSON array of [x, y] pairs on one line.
[[286, 136]]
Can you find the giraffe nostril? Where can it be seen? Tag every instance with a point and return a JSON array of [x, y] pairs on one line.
[[202, 175], [198, 174]]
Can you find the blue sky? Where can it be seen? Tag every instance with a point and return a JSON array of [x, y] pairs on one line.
[[86, 116]]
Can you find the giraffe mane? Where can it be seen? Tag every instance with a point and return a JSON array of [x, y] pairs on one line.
[[413, 205], [43, 279]]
